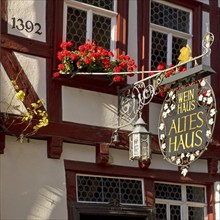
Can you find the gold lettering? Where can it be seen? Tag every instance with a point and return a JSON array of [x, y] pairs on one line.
[[172, 143], [192, 140], [191, 94], [200, 119], [186, 96], [192, 107], [173, 126], [191, 120], [180, 97], [179, 125], [199, 137], [184, 122], [181, 143]]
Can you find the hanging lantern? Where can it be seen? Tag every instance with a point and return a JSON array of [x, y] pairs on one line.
[[139, 142]]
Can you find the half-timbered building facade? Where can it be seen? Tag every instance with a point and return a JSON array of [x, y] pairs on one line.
[[70, 169]]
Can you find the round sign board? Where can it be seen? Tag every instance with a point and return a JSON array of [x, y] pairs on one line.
[[186, 123]]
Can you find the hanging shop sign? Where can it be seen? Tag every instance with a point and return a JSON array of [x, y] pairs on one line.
[[186, 123]]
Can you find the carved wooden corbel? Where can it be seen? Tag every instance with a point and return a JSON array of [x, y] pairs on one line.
[[54, 147], [212, 166], [102, 153]]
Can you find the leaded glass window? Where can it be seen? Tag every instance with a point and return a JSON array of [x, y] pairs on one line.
[[90, 19], [170, 31], [109, 189], [106, 4], [180, 202]]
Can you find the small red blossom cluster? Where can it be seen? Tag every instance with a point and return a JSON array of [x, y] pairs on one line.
[[162, 90], [92, 58], [123, 64]]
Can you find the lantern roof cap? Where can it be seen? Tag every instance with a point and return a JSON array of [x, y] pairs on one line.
[[140, 127], [140, 121]]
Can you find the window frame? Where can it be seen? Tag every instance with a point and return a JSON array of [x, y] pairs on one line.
[[94, 83], [184, 204], [170, 32], [90, 10], [144, 39], [111, 177]]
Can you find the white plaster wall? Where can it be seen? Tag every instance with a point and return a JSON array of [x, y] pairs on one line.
[[7, 95], [121, 158], [154, 113], [35, 69], [27, 10], [157, 162], [78, 152], [87, 107], [32, 186], [199, 166]]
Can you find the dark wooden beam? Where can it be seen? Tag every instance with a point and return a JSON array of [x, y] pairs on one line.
[[149, 192], [13, 68], [154, 174], [2, 142], [25, 45], [4, 16], [211, 201], [212, 166], [93, 135]]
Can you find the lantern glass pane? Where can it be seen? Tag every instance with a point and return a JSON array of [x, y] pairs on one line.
[[131, 156], [136, 145], [145, 148]]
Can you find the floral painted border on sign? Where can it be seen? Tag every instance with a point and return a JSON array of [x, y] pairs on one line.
[[205, 100]]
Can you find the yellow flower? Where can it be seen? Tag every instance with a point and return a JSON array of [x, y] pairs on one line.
[[185, 53], [27, 117], [20, 95], [34, 105]]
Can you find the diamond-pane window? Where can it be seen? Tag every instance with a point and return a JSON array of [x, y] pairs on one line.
[[108, 189], [175, 212], [195, 194], [168, 191], [170, 17], [101, 31], [161, 211], [195, 213], [158, 49], [76, 26], [170, 31], [93, 20], [106, 4], [180, 202]]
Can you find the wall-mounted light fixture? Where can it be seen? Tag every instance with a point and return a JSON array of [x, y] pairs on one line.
[[139, 142]]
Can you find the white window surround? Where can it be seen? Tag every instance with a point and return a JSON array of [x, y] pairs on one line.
[[90, 9], [184, 204], [171, 32]]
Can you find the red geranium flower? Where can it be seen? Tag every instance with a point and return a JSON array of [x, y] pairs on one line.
[[117, 69], [118, 78], [61, 67], [161, 66], [56, 74]]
